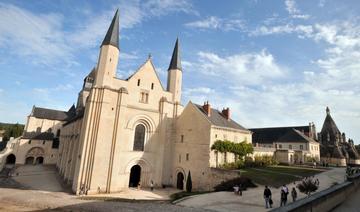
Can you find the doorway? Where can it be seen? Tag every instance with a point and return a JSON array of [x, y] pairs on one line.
[[39, 160], [180, 181], [29, 160], [10, 159], [135, 174]]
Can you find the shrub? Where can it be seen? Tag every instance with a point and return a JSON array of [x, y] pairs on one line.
[[307, 186], [189, 183], [229, 185], [234, 165]]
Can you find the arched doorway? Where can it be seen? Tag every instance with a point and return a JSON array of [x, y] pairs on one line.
[[29, 160], [135, 174], [10, 159], [39, 160], [180, 181]]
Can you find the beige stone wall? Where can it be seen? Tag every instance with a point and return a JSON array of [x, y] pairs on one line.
[[195, 130], [311, 149], [112, 113], [34, 124]]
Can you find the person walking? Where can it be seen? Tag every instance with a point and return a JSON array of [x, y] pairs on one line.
[[283, 198], [267, 197], [294, 194], [151, 185]]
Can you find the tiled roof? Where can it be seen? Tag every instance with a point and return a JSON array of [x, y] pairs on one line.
[[44, 113], [295, 136], [216, 118], [272, 134], [112, 35], [38, 136], [175, 62]]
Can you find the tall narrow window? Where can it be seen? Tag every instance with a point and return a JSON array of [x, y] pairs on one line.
[[152, 86], [138, 82], [182, 139], [139, 138]]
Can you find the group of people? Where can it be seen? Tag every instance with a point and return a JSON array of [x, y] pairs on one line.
[[283, 197], [238, 189]]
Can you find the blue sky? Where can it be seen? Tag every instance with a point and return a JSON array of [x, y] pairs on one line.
[[274, 63]]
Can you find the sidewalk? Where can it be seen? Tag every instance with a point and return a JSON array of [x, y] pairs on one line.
[[252, 199]]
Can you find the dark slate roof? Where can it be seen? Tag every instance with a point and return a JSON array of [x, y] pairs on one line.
[[329, 124], [295, 136], [216, 118], [112, 35], [272, 134], [79, 114], [38, 136], [44, 113], [175, 62]]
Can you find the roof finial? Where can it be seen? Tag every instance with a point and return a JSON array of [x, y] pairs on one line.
[[175, 62], [112, 35], [327, 111]]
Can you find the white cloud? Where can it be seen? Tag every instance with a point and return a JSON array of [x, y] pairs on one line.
[[247, 68], [39, 37], [216, 23], [302, 30], [293, 11]]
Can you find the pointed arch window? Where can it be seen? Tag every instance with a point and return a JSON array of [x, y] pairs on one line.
[[139, 138]]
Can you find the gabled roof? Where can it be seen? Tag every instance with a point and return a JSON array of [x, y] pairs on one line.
[[78, 115], [112, 35], [216, 118], [296, 136], [175, 62], [329, 124], [44, 113], [272, 134]]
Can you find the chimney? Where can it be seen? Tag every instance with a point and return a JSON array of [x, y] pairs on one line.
[[226, 113], [207, 108]]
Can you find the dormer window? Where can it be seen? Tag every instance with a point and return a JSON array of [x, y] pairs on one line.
[[138, 82]]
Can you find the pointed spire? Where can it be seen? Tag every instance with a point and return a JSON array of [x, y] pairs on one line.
[[327, 111], [175, 62], [112, 35]]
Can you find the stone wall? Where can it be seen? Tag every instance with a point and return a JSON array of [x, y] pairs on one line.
[[325, 200], [218, 176]]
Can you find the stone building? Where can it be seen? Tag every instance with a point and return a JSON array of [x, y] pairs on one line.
[[291, 145], [39, 143], [335, 149]]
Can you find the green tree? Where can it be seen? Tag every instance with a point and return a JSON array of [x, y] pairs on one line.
[[189, 183]]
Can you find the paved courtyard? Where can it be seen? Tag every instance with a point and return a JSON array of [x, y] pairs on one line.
[[36, 188]]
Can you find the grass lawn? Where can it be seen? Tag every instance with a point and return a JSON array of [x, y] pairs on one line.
[[276, 176]]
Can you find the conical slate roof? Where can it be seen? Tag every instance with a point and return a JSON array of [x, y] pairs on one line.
[[175, 62], [112, 35], [329, 124]]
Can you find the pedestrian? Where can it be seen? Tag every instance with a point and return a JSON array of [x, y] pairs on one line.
[[236, 189], [317, 182], [152, 185], [240, 189], [267, 197], [285, 189], [283, 198], [294, 194]]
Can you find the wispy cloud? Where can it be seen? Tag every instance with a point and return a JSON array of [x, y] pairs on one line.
[[39, 38], [293, 11], [216, 23]]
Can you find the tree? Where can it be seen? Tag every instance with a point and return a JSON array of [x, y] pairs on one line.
[[189, 183], [307, 186]]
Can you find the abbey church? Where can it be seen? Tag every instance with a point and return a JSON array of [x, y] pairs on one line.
[[128, 132]]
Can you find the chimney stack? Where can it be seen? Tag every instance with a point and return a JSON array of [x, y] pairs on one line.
[[207, 108], [226, 113]]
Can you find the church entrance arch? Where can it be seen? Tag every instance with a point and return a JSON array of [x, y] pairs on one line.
[[135, 174], [39, 160], [35, 154], [10, 159], [180, 181], [29, 160]]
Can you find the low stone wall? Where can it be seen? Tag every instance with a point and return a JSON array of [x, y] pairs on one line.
[[218, 176], [325, 200]]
